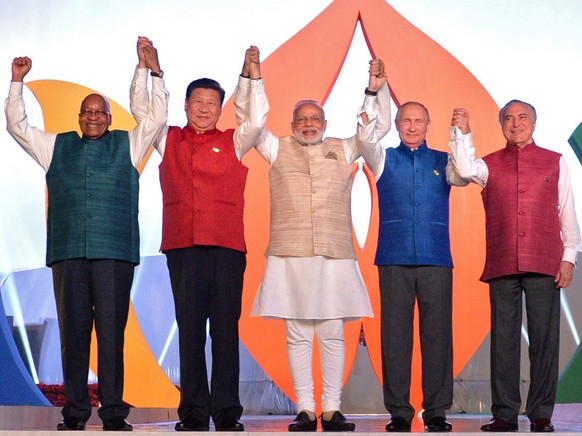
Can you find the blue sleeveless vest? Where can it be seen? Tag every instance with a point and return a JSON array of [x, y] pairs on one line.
[[413, 196], [93, 193]]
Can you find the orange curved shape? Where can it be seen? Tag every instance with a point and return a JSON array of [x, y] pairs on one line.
[[146, 384], [418, 69]]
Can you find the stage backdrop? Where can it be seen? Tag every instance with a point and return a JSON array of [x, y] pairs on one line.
[[444, 53]]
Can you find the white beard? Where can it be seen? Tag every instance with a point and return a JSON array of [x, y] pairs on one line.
[[307, 141]]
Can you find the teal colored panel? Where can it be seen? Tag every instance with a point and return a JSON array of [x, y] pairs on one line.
[[576, 142], [570, 383]]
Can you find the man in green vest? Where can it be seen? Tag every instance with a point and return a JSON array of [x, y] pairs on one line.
[[92, 233]]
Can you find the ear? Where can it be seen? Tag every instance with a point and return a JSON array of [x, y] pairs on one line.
[[185, 105], [324, 125], [110, 118]]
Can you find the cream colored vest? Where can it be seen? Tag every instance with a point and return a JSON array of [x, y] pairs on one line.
[[311, 190]]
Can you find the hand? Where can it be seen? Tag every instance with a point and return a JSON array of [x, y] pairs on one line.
[[151, 58], [252, 65], [142, 42], [377, 75], [20, 68], [460, 119], [565, 273]]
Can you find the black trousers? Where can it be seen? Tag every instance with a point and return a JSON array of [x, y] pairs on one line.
[[207, 285], [542, 302], [88, 291], [400, 288]]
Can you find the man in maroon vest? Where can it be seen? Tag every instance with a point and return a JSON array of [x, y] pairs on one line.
[[532, 238], [203, 182]]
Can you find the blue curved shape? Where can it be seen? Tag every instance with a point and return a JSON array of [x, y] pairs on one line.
[[16, 385]]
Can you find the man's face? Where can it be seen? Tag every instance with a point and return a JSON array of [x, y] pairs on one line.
[[308, 125], [203, 109], [412, 124], [94, 116], [518, 124]]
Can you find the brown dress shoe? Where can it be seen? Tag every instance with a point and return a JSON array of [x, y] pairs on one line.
[[499, 425], [542, 425]]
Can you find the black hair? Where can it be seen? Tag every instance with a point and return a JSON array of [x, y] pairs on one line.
[[206, 84]]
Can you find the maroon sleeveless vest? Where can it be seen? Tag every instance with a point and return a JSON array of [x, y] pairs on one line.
[[203, 185], [521, 210]]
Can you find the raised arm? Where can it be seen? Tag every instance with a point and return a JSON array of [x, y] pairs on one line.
[[459, 122], [463, 150], [368, 133], [151, 116], [251, 104], [38, 144], [378, 82]]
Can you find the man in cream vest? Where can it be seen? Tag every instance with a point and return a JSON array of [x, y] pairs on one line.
[[312, 280]]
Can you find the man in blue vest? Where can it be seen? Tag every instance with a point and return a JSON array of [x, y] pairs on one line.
[[92, 234], [414, 264]]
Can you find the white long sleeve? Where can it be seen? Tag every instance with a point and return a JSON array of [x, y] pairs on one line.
[[38, 144], [251, 109]]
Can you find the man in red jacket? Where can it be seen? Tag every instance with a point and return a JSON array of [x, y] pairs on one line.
[[203, 182], [532, 239]]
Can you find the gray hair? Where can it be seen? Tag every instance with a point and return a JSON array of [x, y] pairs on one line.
[[510, 102], [304, 102]]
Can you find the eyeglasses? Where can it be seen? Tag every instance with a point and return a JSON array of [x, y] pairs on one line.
[[88, 113], [303, 120]]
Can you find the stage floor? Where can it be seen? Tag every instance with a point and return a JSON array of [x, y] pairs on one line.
[[370, 424]]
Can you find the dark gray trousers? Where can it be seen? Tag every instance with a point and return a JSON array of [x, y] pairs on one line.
[[542, 302], [400, 288]]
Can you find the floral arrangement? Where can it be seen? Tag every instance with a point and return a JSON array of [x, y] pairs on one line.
[[56, 394]]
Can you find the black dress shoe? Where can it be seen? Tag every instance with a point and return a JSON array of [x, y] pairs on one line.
[[438, 424], [190, 426], [398, 424], [71, 424], [117, 424], [234, 425], [338, 422], [542, 425], [499, 425], [302, 423]]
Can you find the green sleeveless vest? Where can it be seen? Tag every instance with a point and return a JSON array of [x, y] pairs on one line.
[[93, 191]]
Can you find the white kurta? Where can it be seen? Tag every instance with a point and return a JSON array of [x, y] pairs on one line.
[[312, 288], [316, 287]]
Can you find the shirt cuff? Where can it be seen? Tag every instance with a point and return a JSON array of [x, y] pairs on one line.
[[570, 255]]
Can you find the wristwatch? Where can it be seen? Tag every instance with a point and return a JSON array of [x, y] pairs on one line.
[[159, 74]]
